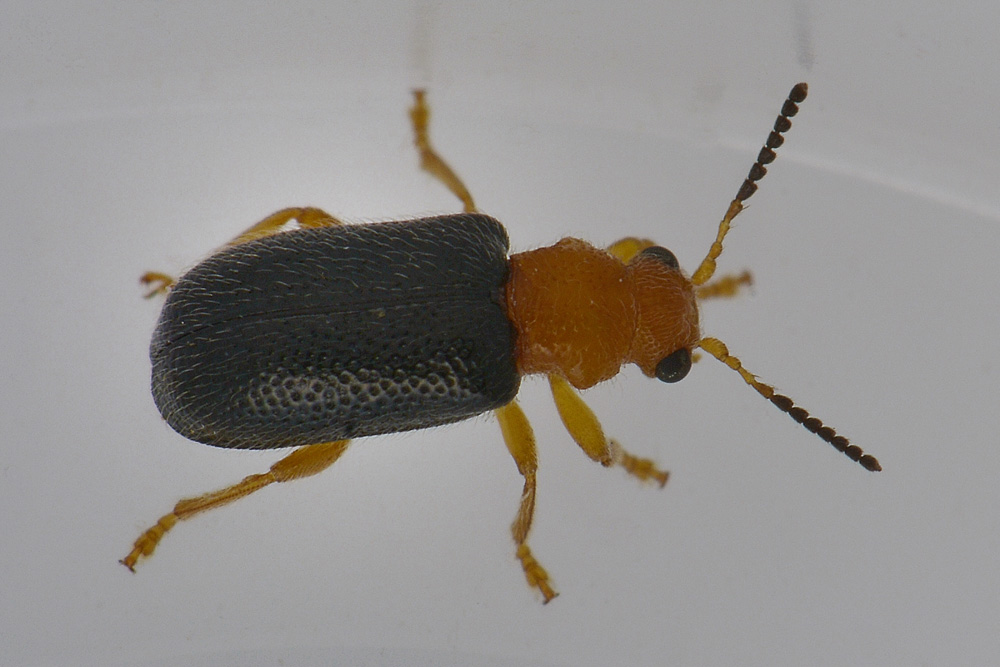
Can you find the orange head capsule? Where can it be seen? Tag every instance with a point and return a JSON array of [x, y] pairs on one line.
[[581, 312]]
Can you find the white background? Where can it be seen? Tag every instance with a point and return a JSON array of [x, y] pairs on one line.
[[139, 136]]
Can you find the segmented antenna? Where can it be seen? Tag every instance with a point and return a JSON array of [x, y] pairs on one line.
[[718, 349], [766, 156]]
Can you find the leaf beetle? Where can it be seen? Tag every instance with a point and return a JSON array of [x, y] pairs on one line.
[[311, 337]]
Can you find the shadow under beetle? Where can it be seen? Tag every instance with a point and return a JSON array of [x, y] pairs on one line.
[[311, 337]]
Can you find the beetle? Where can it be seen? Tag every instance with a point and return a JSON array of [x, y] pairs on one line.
[[314, 336]]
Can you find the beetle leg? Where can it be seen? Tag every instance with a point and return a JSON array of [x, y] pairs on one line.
[[160, 283], [722, 287], [582, 424], [725, 286], [627, 248], [302, 462], [430, 161], [272, 224], [521, 443]]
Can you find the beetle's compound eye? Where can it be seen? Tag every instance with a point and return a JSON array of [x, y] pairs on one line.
[[662, 254], [675, 366]]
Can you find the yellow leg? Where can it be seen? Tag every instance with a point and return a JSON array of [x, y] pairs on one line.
[[272, 224], [520, 442], [628, 247], [303, 462], [582, 424], [724, 287], [160, 283], [430, 161]]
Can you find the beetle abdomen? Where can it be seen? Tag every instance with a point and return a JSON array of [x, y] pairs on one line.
[[323, 334]]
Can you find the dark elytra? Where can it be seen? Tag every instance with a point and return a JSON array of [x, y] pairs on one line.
[[324, 334]]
